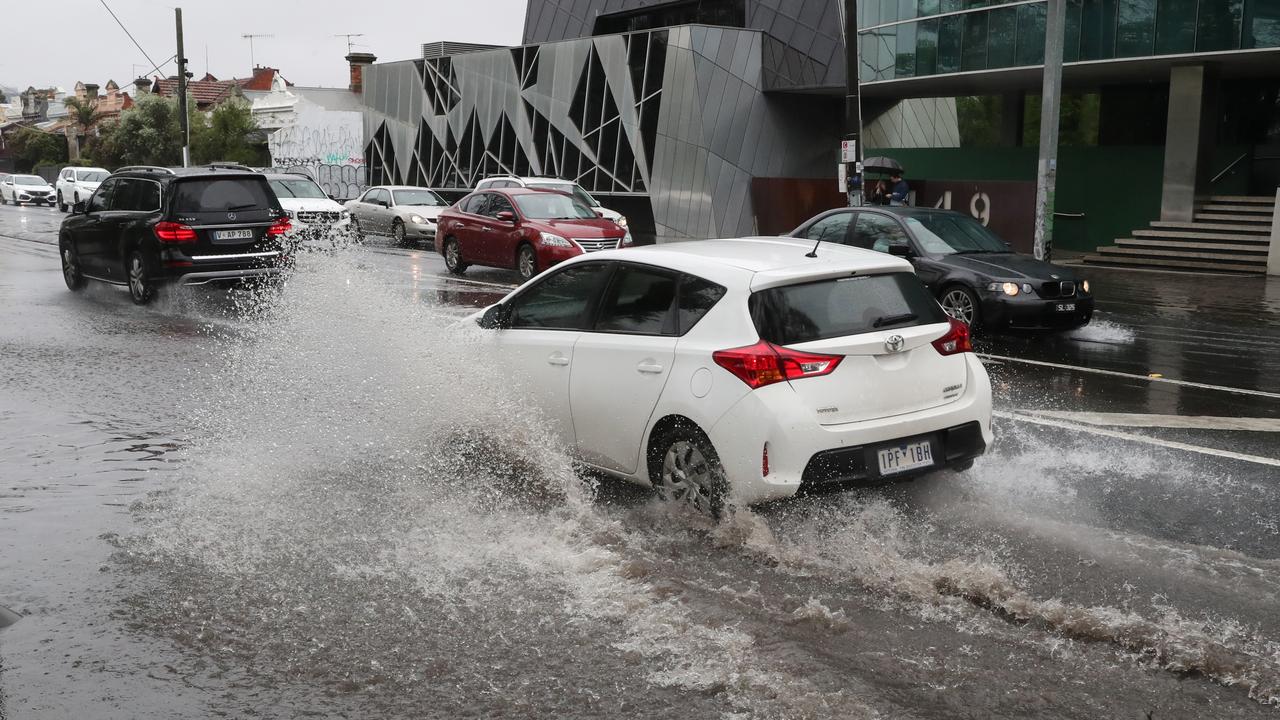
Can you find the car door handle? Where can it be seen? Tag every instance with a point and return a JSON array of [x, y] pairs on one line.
[[648, 366], [486, 228], [557, 359]]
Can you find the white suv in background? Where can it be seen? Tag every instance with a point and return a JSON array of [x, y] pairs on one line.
[[553, 183], [312, 213], [744, 370], [75, 184]]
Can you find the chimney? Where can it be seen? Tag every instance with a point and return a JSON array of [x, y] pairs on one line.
[[359, 61], [141, 86], [91, 91]]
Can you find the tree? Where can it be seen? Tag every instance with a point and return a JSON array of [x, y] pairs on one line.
[[227, 134], [83, 114], [146, 134], [31, 148]]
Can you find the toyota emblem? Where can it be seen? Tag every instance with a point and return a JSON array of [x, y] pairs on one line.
[[231, 216], [894, 343]]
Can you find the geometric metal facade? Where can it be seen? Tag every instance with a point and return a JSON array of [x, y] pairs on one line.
[[678, 116]]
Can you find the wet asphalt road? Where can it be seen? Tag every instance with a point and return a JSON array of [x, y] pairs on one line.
[[211, 511]]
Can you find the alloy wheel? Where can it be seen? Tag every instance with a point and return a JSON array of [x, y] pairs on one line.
[[139, 287], [958, 304], [527, 263], [452, 255], [70, 270], [687, 477], [397, 230]]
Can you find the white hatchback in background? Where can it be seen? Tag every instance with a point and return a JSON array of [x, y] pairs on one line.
[[313, 214], [75, 184], [744, 370], [568, 187]]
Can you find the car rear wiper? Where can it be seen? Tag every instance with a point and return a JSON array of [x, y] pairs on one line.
[[245, 206], [894, 319]]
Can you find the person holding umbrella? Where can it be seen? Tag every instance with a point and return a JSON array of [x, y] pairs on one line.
[[897, 191], [900, 191]]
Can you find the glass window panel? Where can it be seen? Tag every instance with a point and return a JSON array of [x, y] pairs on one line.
[[888, 10], [974, 54], [1000, 34], [929, 7], [927, 47], [870, 14], [1218, 25], [1136, 27], [949, 44], [1071, 39], [952, 5], [1029, 49], [887, 47], [906, 9], [1262, 23], [906, 62], [1175, 26]]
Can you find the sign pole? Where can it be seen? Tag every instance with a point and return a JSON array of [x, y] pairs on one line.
[[852, 107], [1050, 100]]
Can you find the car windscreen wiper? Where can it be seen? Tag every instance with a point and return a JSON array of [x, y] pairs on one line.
[[894, 319], [245, 206]]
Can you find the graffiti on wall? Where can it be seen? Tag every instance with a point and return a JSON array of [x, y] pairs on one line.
[[326, 145]]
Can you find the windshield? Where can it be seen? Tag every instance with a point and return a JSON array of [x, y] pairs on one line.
[[28, 180], [567, 187], [90, 176], [418, 197], [548, 206], [299, 188], [943, 234]]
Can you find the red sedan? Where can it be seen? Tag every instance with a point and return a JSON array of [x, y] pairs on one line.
[[521, 229]]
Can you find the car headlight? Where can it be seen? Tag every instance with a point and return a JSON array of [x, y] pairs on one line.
[[1085, 284], [416, 219], [622, 221], [344, 215], [551, 240], [1010, 288], [290, 213]]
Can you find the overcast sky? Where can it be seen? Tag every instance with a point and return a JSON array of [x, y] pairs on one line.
[[56, 44]]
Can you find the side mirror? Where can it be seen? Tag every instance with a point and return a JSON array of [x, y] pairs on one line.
[[599, 213], [901, 250], [506, 216], [80, 208], [496, 317]]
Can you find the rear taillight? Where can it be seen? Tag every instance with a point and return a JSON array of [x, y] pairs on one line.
[[279, 227], [955, 341], [765, 363], [172, 232]]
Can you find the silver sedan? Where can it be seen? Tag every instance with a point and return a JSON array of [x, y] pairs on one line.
[[408, 214]]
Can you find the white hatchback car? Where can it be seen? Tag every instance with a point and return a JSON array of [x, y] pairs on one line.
[[744, 370], [77, 183]]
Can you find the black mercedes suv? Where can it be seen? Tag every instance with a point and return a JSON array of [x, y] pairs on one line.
[[147, 226]]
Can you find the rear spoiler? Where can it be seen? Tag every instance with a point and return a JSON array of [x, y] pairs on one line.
[[828, 270]]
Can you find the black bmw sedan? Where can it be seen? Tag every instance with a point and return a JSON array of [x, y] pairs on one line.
[[977, 277]]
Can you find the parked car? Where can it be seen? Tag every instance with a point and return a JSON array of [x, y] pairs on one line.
[[745, 370], [975, 274], [313, 214], [77, 183], [559, 185], [29, 189], [522, 229], [147, 226], [404, 212]]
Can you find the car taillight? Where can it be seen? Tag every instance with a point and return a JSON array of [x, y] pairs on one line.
[[279, 228], [765, 363], [955, 341], [172, 232]]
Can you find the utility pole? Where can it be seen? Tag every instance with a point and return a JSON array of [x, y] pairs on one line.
[[252, 62], [183, 120], [1050, 101], [852, 104]]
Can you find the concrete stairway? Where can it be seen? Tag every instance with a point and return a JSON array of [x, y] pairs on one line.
[[1228, 233]]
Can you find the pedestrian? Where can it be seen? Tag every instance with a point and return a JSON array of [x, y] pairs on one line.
[[878, 196], [898, 195]]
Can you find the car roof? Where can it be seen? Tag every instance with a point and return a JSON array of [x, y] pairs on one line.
[[761, 262], [398, 187], [518, 191]]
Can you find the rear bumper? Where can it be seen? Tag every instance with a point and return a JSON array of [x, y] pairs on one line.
[[201, 278], [804, 453]]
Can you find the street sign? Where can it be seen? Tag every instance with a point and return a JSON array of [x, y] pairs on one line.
[[842, 173], [848, 151]]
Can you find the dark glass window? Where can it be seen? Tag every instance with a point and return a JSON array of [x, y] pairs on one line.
[[640, 301], [1262, 24], [877, 232], [729, 13], [222, 195], [950, 43], [1218, 25], [974, 55], [1029, 49], [562, 301], [1136, 28], [474, 204], [929, 7], [697, 297], [927, 47], [1001, 30], [1071, 33], [497, 203], [102, 196], [134, 195], [1176, 26], [906, 60], [846, 306], [832, 228]]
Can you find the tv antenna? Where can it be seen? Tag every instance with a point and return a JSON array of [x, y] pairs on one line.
[[348, 36], [250, 38]]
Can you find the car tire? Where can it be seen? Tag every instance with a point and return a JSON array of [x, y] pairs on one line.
[[962, 466], [62, 206], [685, 469], [526, 262], [397, 232], [453, 256], [70, 266], [142, 288], [355, 228], [962, 304]]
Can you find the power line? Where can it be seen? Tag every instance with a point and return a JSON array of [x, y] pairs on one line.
[[126, 32]]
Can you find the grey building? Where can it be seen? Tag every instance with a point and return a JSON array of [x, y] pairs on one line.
[[679, 114]]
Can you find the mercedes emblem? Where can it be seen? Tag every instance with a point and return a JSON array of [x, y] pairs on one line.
[[894, 343]]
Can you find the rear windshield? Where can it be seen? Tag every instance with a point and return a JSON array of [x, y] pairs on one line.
[[844, 306], [222, 195]]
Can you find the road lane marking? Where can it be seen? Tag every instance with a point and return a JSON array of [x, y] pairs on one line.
[[1131, 437], [1134, 376], [1147, 420]]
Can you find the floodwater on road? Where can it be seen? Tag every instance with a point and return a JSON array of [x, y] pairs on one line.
[[325, 501]]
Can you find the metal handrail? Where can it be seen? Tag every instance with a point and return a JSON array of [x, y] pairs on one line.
[[1228, 168]]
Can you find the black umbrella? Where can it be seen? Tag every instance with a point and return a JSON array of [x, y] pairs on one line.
[[881, 164]]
